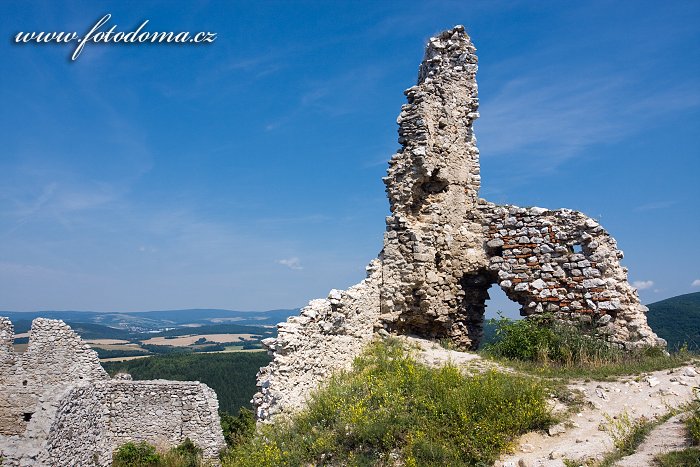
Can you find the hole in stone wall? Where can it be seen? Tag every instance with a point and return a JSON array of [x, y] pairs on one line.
[[24, 383], [498, 305], [435, 184], [577, 248], [498, 302], [498, 251], [438, 260], [27, 416]]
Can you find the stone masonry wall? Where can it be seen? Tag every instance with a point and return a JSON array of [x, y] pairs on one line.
[[565, 263], [444, 247], [432, 184], [58, 407], [55, 358], [9, 416], [327, 335], [93, 420]]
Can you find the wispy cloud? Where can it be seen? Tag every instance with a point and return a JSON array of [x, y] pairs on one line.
[[696, 283], [643, 285], [655, 205], [553, 120], [328, 94], [291, 263]]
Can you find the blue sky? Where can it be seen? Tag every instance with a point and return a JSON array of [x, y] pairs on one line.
[[246, 173]]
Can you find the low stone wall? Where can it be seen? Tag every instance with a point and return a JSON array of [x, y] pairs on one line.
[[58, 406], [93, 420]]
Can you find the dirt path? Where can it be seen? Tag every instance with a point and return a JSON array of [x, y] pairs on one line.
[[669, 436], [586, 435]]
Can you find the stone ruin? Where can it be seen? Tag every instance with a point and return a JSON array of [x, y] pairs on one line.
[[444, 247], [59, 407]]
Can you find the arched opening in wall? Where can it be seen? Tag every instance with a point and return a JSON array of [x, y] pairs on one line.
[[482, 300], [498, 305]]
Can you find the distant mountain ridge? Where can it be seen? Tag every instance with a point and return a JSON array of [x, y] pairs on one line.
[[149, 321], [677, 319]]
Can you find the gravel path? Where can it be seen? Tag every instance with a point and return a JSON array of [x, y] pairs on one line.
[[585, 435], [669, 436]]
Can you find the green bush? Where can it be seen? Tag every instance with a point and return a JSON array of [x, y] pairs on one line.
[[545, 344], [390, 408], [136, 455], [527, 339], [237, 428], [186, 454], [692, 424]]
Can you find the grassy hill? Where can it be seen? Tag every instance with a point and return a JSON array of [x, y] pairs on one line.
[[677, 320], [231, 375]]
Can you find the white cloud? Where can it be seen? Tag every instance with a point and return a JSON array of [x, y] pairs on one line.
[[655, 206], [552, 119], [696, 283], [642, 285], [291, 263]]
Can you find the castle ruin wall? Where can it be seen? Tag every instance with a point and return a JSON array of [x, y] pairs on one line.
[[326, 336], [444, 247], [59, 407]]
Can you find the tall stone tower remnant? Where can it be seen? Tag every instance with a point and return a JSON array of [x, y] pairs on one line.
[[444, 247]]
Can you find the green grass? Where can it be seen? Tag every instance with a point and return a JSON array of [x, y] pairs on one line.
[[692, 424], [628, 434], [689, 457], [389, 408], [542, 346], [142, 454]]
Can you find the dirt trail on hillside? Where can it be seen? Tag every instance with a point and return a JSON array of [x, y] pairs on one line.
[[669, 436], [587, 433]]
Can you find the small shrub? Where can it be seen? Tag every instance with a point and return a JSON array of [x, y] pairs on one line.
[[186, 454], [692, 424], [542, 344], [626, 432], [237, 428], [136, 455]]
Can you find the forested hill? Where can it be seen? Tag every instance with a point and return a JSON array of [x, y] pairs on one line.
[[231, 374], [677, 320]]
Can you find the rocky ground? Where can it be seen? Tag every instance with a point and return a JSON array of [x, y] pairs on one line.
[[603, 409]]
